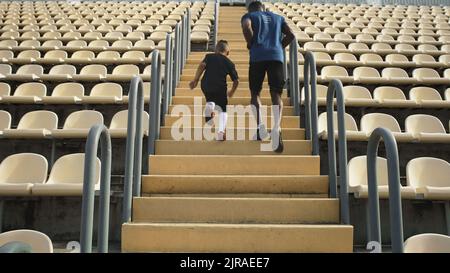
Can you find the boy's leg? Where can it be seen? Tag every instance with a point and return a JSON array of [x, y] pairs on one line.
[[257, 72], [209, 112], [221, 105], [276, 83]]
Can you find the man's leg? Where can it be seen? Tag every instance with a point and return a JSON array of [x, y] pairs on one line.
[[276, 83], [257, 73]]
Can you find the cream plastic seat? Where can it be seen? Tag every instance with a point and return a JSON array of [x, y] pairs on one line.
[[158, 36], [359, 48], [406, 49], [52, 45], [108, 55], [66, 177], [27, 57], [426, 128], [98, 45], [429, 76], [122, 45], [346, 59], [397, 76], [370, 122], [390, 96], [351, 129], [424, 60], [123, 73], [28, 72], [427, 243], [92, 72], [35, 124], [144, 45], [427, 97], [427, 48], [199, 37], [335, 47], [54, 56], [5, 121], [357, 96], [6, 55], [133, 57], [104, 93], [31, 92], [65, 93], [78, 123], [335, 72], [313, 46], [367, 75], [445, 59], [357, 179], [14, 180], [371, 59], [429, 176], [38, 241], [119, 123], [60, 73], [399, 60], [82, 57]]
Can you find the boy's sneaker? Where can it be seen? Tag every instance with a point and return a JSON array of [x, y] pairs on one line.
[[280, 147], [222, 136]]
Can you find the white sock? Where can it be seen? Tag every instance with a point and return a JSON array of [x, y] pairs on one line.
[[222, 121]]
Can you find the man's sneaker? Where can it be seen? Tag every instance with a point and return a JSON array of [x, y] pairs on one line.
[[280, 147], [261, 133]]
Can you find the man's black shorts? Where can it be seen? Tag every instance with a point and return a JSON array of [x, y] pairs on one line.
[[257, 73]]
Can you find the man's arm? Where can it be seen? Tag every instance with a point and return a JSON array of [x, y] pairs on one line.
[[247, 31], [288, 35], [198, 74]]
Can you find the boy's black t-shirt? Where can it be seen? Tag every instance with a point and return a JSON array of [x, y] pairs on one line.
[[218, 67]]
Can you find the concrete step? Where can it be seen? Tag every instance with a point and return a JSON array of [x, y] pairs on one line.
[[235, 210], [288, 133], [189, 100], [189, 75], [239, 66], [240, 92], [240, 121], [305, 185], [196, 60], [287, 110], [235, 238], [242, 84], [229, 147], [234, 165]]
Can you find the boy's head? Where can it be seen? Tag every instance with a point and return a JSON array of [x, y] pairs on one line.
[[255, 6], [222, 47]]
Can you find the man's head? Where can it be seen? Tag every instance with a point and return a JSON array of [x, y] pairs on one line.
[[222, 47], [255, 6]]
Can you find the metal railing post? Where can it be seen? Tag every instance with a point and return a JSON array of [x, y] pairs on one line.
[[167, 78], [188, 34], [133, 152], [294, 81], [98, 133], [335, 88], [310, 103], [395, 201], [183, 42], [216, 22], [176, 61], [155, 102]]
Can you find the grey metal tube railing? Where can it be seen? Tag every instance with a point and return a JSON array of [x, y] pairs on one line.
[[97, 133], [177, 58], [395, 201], [167, 77], [335, 88], [216, 22], [133, 152], [155, 102], [293, 76], [16, 247], [310, 103]]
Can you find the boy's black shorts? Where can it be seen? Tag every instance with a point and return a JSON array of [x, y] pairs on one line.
[[257, 73], [219, 98]]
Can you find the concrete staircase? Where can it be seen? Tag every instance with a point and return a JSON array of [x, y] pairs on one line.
[[210, 196]]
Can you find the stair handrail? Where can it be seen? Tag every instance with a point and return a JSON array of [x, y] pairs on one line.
[[133, 150], [335, 90], [293, 76], [395, 201], [216, 21], [167, 91], [155, 102], [176, 58], [97, 133], [310, 103]]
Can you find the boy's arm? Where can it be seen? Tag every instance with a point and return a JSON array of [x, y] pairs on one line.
[[198, 74], [288, 35], [247, 31], [233, 88]]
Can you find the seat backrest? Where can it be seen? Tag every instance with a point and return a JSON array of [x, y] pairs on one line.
[[357, 171], [370, 122], [56, 54], [29, 69], [93, 69], [333, 71], [428, 171], [394, 72], [108, 55], [126, 69], [83, 54], [63, 69], [425, 73], [388, 92], [29, 54], [364, 71], [370, 57], [83, 119], [5, 69], [420, 123], [350, 124], [31, 89], [41, 119], [345, 57], [356, 92], [120, 120], [5, 89], [107, 89], [39, 242], [69, 169], [424, 93], [321, 56], [68, 89], [427, 243], [5, 120], [423, 58], [23, 168]]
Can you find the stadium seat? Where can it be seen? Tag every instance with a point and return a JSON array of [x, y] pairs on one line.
[[119, 123], [390, 96], [38, 241], [78, 123], [104, 93], [35, 124], [357, 179], [14, 180], [427, 243], [351, 129], [429, 176], [31, 92], [370, 122], [5, 121], [91, 73], [65, 93], [426, 128], [66, 177], [427, 97], [357, 96], [28, 72]]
